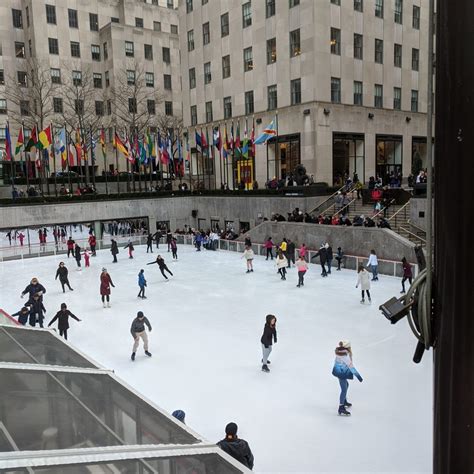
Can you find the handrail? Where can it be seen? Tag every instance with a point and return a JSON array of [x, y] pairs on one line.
[[413, 235], [329, 198], [383, 208], [342, 208], [419, 229], [396, 213]]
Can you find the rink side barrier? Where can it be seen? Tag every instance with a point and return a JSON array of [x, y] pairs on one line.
[[351, 262], [5, 318]]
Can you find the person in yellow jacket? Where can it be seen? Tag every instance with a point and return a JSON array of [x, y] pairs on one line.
[[284, 248]]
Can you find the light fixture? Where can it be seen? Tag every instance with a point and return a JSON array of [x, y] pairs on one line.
[[407, 119], [326, 111], [259, 120], [371, 115], [306, 111]]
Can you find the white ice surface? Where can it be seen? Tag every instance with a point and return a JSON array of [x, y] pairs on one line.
[[207, 323]]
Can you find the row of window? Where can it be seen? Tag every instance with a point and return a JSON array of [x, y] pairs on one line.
[[378, 95], [378, 50], [17, 18]]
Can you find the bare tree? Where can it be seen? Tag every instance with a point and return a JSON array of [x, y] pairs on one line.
[[171, 126]]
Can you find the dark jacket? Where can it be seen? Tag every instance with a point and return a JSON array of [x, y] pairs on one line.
[[322, 254], [63, 319], [290, 249], [149, 239], [61, 272], [239, 449], [130, 246], [139, 326], [159, 261], [33, 289], [407, 273], [77, 252], [269, 333], [329, 255], [36, 308], [114, 248], [22, 317]]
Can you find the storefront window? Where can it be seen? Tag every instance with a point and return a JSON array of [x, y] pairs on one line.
[[389, 157], [348, 156], [284, 156]]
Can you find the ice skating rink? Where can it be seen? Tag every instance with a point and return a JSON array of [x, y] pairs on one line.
[[207, 323]]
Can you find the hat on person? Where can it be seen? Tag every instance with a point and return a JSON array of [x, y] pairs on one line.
[[345, 344], [34, 280], [231, 429], [104, 269], [179, 415], [63, 305], [140, 314]]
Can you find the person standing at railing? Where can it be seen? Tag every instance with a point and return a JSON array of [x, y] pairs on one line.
[[268, 246], [21, 237], [78, 256], [407, 273], [149, 243], [92, 244], [62, 273], [329, 257], [322, 254], [70, 247], [114, 250], [373, 264], [339, 257]]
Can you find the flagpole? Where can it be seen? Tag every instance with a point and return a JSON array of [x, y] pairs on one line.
[[12, 164], [54, 162], [214, 158], [67, 157], [139, 166], [276, 142], [116, 162], [24, 156], [92, 157], [104, 157], [251, 150]]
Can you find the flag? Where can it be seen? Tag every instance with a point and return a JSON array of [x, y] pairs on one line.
[[198, 142], [170, 150], [149, 143], [225, 143], [231, 141], [204, 142], [252, 139], [268, 132], [60, 145], [164, 155], [32, 141], [8, 143], [217, 138], [180, 163], [237, 137], [158, 145], [71, 154], [188, 151], [245, 144], [143, 154], [102, 142], [20, 141], [121, 147], [44, 138]]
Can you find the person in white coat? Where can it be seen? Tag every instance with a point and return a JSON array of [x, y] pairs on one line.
[[281, 263], [363, 279], [373, 264], [249, 256]]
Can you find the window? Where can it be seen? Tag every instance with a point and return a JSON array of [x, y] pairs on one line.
[[19, 49], [138, 22], [293, 3], [55, 76], [75, 49], [148, 51], [106, 50], [149, 79], [379, 8], [167, 82], [271, 51], [189, 6], [114, 19], [190, 40], [398, 11], [129, 49], [415, 59], [72, 16], [157, 25], [79, 106], [227, 107], [2, 77], [414, 101], [379, 51], [249, 103], [17, 18], [209, 116], [166, 55], [358, 46], [151, 107], [246, 14], [77, 78], [95, 52], [397, 98], [359, 5], [336, 2], [224, 24], [107, 79], [207, 73], [3, 106], [397, 55], [132, 105], [94, 22], [378, 96], [272, 99], [174, 29], [335, 90], [50, 14], [269, 8], [30, 49], [295, 46], [225, 66], [22, 78], [24, 107], [53, 46], [130, 77], [192, 78], [206, 34], [27, 14], [416, 17], [203, 2], [169, 3], [248, 59], [295, 87], [193, 113], [168, 108], [97, 78], [335, 41], [99, 108], [358, 93]]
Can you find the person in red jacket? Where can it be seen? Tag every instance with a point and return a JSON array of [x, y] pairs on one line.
[[105, 284], [70, 247], [92, 244], [407, 273]]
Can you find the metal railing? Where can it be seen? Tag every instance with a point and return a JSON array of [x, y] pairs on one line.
[[400, 214], [383, 209], [345, 207], [332, 196]]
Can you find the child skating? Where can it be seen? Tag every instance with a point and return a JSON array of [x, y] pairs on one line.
[[249, 256], [363, 279], [23, 315], [37, 310], [141, 284], [281, 263], [269, 337], [138, 331], [302, 268], [87, 258], [130, 248]]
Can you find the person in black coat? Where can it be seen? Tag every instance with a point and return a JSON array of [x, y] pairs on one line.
[[238, 448], [62, 273], [322, 254], [160, 261], [22, 315], [268, 337], [169, 236], [77, 255], [36, 310], [290, 252], [63, 320], [157, 237], [329, 257], [114, 250], [149, 242], [34, 288]]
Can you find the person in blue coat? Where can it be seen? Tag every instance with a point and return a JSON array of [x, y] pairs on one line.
[[35, 287], [198, 241], [22, 315], [344, 370], [141, 284]]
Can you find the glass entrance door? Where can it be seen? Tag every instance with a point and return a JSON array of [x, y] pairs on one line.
[[348, 157]]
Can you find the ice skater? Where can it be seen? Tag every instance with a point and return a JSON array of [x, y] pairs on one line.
[[70, 247], [62, 273], [114, 250], [238, 448], [78, 256], [138, 331], [329, 257], [249, 256], [290, 252], [322, 254], [141, 284], [37, 310], [268, 246], [269, 337], [149, 243], [22, 315], [303, 251], [169, 237], [302, 268], [281, 263], [344, 370], [21, 236], [62, 316], [174, 248], [92, 244], [130, 248], [339, 257], [87, 258], [407, 273], [373, 264], [34, 288], [105, 284], [363, 279], [160, 261]]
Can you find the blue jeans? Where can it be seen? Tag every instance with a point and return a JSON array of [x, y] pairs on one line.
[[329, 262], [344, 387], [374, 268]]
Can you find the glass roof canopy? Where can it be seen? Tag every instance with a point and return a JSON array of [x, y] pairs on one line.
[[61, 412]]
